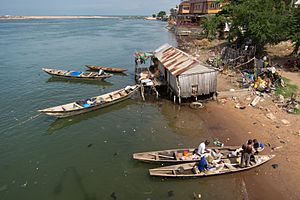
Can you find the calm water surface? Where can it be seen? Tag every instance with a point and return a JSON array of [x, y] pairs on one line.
[[87, 156]]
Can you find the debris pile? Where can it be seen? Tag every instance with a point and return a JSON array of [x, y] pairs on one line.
[[291, 105]]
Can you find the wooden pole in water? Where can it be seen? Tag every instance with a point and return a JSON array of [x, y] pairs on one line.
[[154, 89], [142, 92]]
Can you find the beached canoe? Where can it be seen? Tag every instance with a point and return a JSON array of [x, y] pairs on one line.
[[186, 170], [76, 74], [90, 104], [180, 155], [107, 69]]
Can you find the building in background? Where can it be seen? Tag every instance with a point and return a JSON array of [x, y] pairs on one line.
[[190, 12], [204, 7]]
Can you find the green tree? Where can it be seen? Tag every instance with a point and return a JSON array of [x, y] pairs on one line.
[[261, 21], [210, 26], [294, 28], [161, 14], [154, 15]]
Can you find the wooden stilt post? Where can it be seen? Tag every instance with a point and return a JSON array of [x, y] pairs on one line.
[[174, 98], [135, 72], [142, 92], [156, 92]]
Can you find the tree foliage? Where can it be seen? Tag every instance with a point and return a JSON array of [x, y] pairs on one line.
[[210, 26], [261, 21], [294, 28], [161, 14]]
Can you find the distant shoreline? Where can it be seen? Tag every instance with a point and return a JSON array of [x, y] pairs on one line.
[[54, 17]]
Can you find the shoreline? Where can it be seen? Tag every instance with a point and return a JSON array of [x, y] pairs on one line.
[[56, 17], [279, 139], [234, 126]]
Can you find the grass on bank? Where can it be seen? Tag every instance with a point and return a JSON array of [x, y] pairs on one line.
[[288, 89]]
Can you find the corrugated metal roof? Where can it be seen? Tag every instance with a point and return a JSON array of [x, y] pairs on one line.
[[179, 62]]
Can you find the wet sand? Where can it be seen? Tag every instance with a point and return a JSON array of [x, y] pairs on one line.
[[233, 126]]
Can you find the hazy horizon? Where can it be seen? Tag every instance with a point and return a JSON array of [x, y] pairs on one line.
[[81, 7]]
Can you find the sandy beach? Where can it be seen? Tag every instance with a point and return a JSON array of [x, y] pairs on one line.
[[233, 126], [54, 17], [281, 135]]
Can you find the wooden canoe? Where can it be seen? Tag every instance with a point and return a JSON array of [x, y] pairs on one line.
[[90, 104], [176, 155], [188, 169], [107, 69], [76, 74]]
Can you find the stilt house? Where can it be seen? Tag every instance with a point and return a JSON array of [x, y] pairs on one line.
[[185, 76]]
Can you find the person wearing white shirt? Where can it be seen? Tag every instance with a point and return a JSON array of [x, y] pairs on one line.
[[201, 149]]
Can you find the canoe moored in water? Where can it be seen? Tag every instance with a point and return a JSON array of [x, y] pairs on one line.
[[107, 69], [179, 155], [90, 104], [189, 170], [76, 74]]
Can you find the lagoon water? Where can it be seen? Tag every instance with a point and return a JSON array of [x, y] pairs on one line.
[[88, 156]]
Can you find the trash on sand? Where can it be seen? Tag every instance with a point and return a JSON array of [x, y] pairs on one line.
[[196, 105], [291, 105], [280, 99], [218, 143], [255, 101], [271, 116], [239, 106], [223, 101], [275, 166], [285, 122], [275, 148]]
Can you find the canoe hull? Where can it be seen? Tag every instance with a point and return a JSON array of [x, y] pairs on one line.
[[107, 69], [64, 114], [69, 77], [168, 156], [186, 170]]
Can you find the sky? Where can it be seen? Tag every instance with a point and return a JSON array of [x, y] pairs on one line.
[[85, 7]]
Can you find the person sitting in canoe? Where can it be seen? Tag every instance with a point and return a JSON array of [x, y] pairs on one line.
[[216, 155], [202, 164], [258, 146], [101, 72], [210, 162]]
